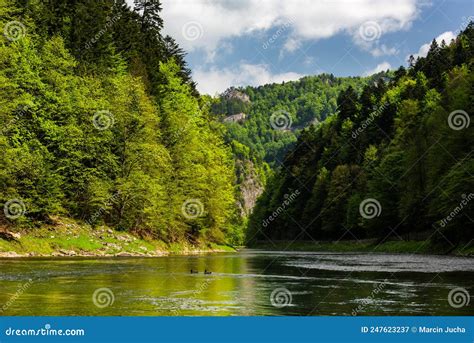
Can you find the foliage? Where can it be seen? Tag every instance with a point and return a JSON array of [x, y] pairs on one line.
[[88, 134], [405, 143]]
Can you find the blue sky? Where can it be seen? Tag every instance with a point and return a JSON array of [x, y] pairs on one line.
[[253, 42]]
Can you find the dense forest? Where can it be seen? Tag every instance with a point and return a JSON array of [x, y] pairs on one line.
[[276, 113], [263, 123], [394, 162], [101, 122]]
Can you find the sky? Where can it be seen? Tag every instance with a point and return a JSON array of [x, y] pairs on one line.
[[255, 42]]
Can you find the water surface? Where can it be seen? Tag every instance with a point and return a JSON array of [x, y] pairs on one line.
[[240, 284]]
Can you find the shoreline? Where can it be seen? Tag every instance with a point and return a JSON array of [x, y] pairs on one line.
[[68, 238], [395, 247], [12, 254]]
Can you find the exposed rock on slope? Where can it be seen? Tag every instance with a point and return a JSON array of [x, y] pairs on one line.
[[250, 185]]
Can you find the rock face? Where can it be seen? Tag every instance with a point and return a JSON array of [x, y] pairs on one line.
[[64, 252], [9, 236], [236, 118], [9, 254], [232, 93], [250, 185]]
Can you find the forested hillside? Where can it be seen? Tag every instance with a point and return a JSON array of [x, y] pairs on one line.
[[101, 122], [277, 112], [396, 160], [263, 123]]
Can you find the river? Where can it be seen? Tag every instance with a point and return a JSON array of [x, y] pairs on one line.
[[248, 283]]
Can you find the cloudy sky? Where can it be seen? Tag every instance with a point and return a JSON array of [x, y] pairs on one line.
[[254, 42]]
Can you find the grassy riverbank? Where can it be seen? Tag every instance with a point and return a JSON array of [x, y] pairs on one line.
[[414, 247], [68, 238]]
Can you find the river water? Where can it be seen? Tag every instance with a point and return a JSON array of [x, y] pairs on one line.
[[251, 282]]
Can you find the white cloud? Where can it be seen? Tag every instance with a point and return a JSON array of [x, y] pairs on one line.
[[215, 80], [383, 50], [291, 45], [380, 67], [446, 36], [310, 19]]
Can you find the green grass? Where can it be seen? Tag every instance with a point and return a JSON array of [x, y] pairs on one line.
[[68, 236], [83, 242], [223, 248]]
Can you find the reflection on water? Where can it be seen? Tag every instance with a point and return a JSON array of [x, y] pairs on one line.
[[240, 284]]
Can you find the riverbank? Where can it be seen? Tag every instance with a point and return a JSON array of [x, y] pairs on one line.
[[413, 247], [68, 238]]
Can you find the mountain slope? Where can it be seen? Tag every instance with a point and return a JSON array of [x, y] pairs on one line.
[[395, 161], [106, 137], [264, 122]]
